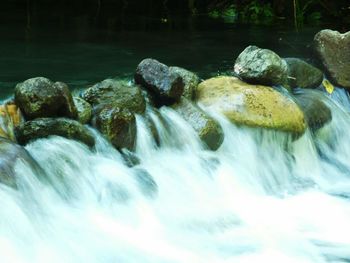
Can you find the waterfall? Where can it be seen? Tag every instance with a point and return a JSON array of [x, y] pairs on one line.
[[263, 196]]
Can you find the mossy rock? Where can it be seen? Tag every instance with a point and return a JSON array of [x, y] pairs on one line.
[[84, 110], [45, 127], [251, 105]]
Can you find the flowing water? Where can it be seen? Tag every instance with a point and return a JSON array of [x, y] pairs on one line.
[[263, 196]]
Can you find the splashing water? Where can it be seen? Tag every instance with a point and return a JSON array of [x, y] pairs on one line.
[[262, 197]]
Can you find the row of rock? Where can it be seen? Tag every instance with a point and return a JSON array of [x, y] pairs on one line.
[[49, 108]]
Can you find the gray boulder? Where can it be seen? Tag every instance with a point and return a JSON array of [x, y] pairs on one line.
[[44, 127], [84, 110], [165, 85], [40, 97], [190, 79], [208, 130], [333, 50], [261, 66], [302, 74]]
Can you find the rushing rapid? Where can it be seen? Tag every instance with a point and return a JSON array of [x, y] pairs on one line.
[[263, 196]]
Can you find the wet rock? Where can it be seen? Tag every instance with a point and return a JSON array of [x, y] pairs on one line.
[[316, 112], [208, 130], [84, 110], [333, 50], [40, 97], [166, 86], [147, 184], [261, 66], [251, 105], [10, 155], [118, 125], [302, 74], [190, 79], [44, 127], [10, 117], [117, 93]]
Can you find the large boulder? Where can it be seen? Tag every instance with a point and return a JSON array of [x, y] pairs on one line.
[[333, 49], [208, 130], [10, 156], [251, 105], [40, 97], [84, 110], [10, 117], [261, 66], [302, 74], [165, 85], [190, 79], [118, 125], [44, 127], [316, 112], [114, 105]]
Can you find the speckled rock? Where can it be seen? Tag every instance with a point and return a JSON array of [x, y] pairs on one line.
[[261, 66], [251, 105]]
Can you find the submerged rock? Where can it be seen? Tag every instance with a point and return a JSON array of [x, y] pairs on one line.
[[84, 110], [44, 127], [251, 105], [118, 125], [164, 84], [261, 66], [10, 117], [208, 130], [333, 48], [10, 155], [40, 97], [316, 111], [190, 79], [302, 74]]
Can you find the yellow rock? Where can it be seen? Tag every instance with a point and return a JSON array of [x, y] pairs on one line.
[[10, 117], [251, 105], [328, 86]]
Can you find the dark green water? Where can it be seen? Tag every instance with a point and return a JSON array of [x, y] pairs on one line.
[[81, 55]]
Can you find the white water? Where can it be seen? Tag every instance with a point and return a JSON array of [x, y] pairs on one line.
[[262, 197]]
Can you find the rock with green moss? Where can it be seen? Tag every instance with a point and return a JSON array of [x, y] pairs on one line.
[[317, 113], [40, 97], [302, 74], [84, 110], [251, 105], [115, 104], [261, 66], [117, 93], [190, 79], [208, 130], [45, 127], [118, 125]]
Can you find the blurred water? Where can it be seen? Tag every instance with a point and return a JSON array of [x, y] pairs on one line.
[[261, 197]]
